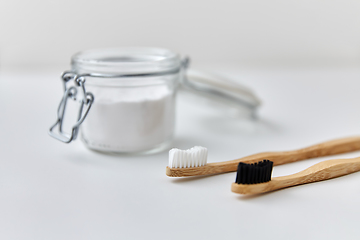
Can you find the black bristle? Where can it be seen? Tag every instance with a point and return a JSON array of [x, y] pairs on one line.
[[252, 175], [244, 172], [256, 174], [263, 172], [259, 172], [238, 173]]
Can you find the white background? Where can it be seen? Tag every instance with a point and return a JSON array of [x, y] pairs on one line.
[[300, 57], [246, 32]]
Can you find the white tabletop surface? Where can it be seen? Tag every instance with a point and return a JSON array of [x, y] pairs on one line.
[[51, 190]]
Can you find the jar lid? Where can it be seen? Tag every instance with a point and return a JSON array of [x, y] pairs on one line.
[[129, 60]]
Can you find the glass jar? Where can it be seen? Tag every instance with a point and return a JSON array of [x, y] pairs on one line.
[[128, 98]]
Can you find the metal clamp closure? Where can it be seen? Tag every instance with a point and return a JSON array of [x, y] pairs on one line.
[[86, 101]]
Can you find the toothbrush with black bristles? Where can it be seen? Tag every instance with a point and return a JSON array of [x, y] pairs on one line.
[[256, 178]]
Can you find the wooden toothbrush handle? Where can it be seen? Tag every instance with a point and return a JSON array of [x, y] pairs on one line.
[[321, 171], [332, 147]]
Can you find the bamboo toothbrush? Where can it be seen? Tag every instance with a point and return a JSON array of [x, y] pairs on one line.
[[256, 178], [183, 167]]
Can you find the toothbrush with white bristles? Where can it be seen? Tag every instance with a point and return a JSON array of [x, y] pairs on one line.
[[193, 162]]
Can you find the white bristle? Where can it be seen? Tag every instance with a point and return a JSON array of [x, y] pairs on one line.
[[193, 157]]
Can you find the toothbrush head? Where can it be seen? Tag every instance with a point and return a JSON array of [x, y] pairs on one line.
[[193, 157], [254, 173]]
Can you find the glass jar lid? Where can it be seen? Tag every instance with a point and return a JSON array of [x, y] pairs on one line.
[[130, 60]]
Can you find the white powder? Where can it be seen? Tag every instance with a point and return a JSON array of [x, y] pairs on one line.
[[131, 119]]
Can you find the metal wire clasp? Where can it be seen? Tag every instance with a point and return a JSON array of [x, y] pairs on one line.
[[86, 100]]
